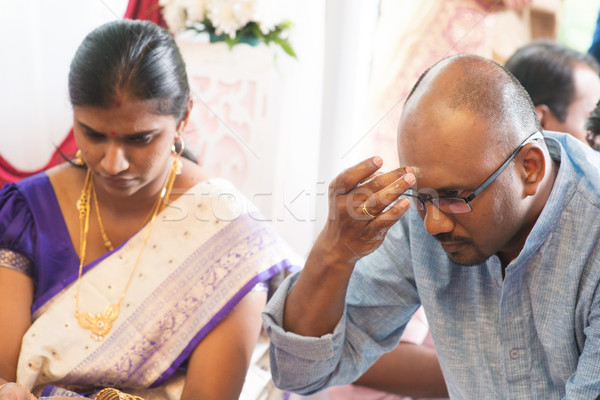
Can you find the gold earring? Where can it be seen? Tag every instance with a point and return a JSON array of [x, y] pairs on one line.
[[177, 153], [78, 159]]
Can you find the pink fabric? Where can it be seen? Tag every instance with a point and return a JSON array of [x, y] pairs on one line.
[[417, 332]]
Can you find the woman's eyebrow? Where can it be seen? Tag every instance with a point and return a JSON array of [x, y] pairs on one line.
[[90, 129], [141, 133]]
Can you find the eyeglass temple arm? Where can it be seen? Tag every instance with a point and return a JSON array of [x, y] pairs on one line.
[[497, 172]]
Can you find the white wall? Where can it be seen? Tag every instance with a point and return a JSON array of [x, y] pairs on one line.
[[39, 39], [320, 111]]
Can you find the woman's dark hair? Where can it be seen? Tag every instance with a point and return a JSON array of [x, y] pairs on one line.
[[545, 69], [129, 57]]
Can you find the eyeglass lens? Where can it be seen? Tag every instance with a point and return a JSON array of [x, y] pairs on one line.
[[449, 205]]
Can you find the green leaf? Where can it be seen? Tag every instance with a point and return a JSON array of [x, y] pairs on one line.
[[247, 33], [286, 46]]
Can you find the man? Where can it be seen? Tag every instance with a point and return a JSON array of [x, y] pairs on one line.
[[504, 257], [563, 84], [593, 127]]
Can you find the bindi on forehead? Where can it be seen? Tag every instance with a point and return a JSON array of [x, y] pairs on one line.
[[112, 133], [118, 103]]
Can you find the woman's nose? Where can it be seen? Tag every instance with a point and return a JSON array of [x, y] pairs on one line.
[[115, 159]]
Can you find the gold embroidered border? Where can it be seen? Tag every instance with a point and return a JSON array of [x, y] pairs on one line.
[[19, 262]]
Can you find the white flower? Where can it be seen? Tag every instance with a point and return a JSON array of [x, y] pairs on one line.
[[174, 14], [196, 9], [226, 16], [229, 16], [267, 15]]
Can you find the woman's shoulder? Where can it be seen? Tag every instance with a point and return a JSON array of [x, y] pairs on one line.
[[66, 175], [17, 193], [18, 202], [194, 178], [67, 181], [191, 175]]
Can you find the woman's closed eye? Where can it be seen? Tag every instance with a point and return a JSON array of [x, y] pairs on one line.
[[140, 138], [92, 134]]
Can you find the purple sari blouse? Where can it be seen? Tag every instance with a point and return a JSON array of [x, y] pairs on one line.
[[29, 211]]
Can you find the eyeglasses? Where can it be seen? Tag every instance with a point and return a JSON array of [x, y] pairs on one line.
[[461, 205]]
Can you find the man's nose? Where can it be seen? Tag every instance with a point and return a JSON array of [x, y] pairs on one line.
[[115, 159], [436, 221]]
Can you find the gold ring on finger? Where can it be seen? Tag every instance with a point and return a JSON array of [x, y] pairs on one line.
[[366, 212]]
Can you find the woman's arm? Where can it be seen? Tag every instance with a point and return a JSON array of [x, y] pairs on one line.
[[16, 298], [218, 365]]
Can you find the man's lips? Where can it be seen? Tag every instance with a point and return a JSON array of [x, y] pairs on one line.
[[451, 247]]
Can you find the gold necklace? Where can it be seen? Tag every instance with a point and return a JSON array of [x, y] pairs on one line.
[[101, 323], [107, 243]]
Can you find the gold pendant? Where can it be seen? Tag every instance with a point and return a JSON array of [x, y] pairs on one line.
[[101, 323]]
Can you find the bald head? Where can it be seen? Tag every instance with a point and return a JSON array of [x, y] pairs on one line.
[[473, 86]]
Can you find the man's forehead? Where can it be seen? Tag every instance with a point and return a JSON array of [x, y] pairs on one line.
[[441, 180]]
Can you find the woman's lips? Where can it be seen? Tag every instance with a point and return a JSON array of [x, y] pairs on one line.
[[118, 182]]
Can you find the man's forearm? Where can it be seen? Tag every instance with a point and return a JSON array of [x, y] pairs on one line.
[[316, 303]]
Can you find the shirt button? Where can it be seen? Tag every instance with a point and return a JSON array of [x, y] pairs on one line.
[[514, 353]]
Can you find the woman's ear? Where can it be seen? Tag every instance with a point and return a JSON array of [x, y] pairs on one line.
[[186, 116], [533, 168]]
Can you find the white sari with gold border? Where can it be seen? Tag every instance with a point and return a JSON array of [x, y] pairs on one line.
[[205, 252]]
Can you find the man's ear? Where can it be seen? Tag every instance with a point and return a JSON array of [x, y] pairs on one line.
[[544, 114], [533, 168]]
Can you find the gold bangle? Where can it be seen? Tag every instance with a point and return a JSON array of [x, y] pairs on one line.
[[114, 394], [27, 390]]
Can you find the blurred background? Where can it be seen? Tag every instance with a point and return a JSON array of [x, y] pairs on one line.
[[279, 127]]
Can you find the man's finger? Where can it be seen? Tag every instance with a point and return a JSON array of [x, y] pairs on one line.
[[383, 180], [351, 177], [381, 199]]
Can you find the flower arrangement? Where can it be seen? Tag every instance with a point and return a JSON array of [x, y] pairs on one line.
[[231, 21]]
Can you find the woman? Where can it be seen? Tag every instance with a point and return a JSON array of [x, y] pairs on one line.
[[131, 271]]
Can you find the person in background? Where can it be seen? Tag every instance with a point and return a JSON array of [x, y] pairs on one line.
[[500, 247], [594, 49], [564, 84], [593, 128], [413, 35], [130, 273]]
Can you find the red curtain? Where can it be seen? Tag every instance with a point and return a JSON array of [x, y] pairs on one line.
[[147, 10], [136, 9], [9, 173]]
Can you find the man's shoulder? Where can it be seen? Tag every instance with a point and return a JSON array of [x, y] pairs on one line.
[[580, 162]]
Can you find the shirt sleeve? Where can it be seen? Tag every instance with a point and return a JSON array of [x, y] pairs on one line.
[[585, 382], [17, 233], [380, 301]]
